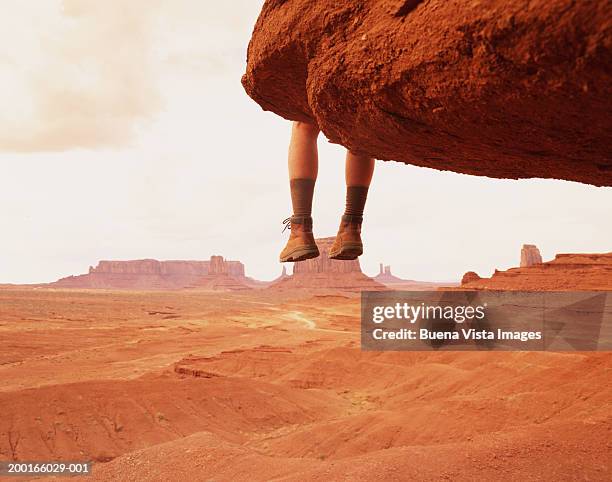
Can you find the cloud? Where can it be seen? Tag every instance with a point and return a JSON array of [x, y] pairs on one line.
[[77, 73], [90, 73]]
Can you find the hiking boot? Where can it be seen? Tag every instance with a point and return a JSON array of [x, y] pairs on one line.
[[301, 244], [347, 244]]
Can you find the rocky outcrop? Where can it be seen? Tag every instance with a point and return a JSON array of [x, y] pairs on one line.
[[384, 275], [493, 88], [218, 265], [469, 277], [149, 274], [151, 266], [323, 264], [325, 273], [387, 278], [565, 272], [530, 255]]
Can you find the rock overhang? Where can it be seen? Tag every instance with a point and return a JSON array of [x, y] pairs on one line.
[[492, 88]]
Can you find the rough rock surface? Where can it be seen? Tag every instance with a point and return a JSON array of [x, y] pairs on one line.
[[145, 274], [530, 255], [490, 87], [325, 273], [469, 277], [565, 272]]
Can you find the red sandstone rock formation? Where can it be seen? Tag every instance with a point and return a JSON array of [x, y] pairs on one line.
[[493, 88], [384, 276], [147, 274], [224, 275], [218, 265], [530, 255], [325, 273], [323, 264], [469, 277], [565, 272], [151, 266]]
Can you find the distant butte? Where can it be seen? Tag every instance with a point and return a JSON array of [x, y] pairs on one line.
[[530, 255], [150, 274], [325, 273], [565, 272], [385, 277]]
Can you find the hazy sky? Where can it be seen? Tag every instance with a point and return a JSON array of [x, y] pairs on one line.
[[125, 134]]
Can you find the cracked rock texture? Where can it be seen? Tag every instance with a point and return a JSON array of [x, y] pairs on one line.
[[485, 87]]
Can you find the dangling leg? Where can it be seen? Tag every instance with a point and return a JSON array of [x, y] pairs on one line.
[[303, 169], [359, 171]]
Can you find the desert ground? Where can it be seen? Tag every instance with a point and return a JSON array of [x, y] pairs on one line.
[[261, 385]]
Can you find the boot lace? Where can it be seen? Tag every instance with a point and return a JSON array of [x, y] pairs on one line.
[[287, 223]]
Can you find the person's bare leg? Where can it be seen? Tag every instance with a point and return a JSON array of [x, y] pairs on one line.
[[359, 169], [303, 170], [358, 175], [303, 153]]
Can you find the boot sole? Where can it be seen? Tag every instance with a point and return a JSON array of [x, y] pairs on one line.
[[347, 252], [300, 254]]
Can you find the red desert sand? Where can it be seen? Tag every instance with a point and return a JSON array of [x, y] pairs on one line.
[[272, 385]]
